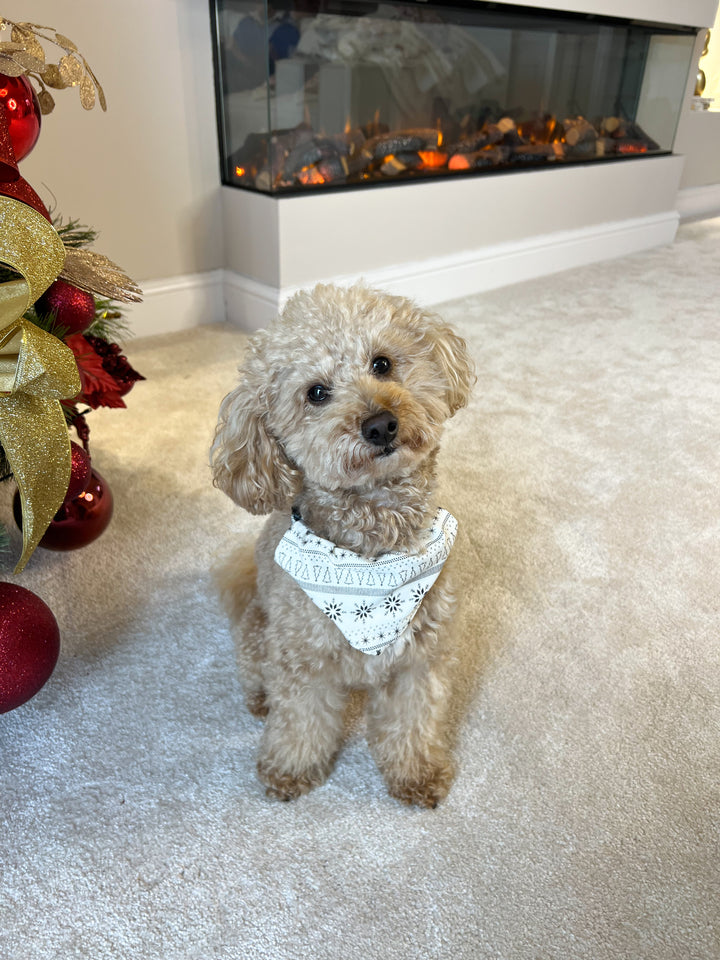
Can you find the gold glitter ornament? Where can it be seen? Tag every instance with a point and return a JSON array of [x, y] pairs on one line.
[[37, 371]]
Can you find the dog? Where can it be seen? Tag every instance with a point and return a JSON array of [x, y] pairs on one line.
[[334, 431]]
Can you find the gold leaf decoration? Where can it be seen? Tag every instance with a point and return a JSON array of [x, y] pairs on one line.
[[47, 104], [25, 54], [22, 62], [29, 42], [96, 274], [10, 67], [100, 92], [51, 76], [65, 43], [87, 92], [71, 70]]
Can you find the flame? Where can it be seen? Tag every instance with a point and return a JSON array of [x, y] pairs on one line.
[[310, 176], [239, 171], [632, 148], [432, 158], [347, 127]]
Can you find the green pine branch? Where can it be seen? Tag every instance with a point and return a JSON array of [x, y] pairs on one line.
[[73, 233], [109, 323]]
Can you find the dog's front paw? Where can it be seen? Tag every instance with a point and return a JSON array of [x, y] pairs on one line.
[[427, 790], [288, 786]]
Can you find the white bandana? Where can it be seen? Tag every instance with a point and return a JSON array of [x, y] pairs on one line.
[[371, 601]]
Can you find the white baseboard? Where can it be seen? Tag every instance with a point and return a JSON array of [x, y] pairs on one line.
[[180, 303], [694, 202], [177, 303], [251, 305]]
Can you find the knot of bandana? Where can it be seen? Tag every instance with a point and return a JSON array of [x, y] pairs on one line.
[[372, 602]]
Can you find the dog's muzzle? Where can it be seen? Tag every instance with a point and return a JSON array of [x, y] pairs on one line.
[[380, 429]]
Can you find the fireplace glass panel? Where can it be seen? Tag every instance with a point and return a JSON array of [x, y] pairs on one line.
[[321, 94]]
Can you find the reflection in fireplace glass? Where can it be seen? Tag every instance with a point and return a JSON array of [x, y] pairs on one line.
[[317, 94]]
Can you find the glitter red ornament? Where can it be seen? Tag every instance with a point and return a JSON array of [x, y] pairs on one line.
[[29, 645], [23, 113], [74, 309]]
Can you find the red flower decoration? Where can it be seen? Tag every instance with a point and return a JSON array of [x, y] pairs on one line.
[[115, 363], [105, 375]]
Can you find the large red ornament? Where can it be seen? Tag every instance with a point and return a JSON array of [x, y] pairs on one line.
[[78, 521], [29, 645], [74, 309], [23, 113], [80, 470]]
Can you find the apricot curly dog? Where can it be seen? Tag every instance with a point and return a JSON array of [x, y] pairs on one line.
[[334, 431]]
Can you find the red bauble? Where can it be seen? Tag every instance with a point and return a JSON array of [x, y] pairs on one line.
[[79, 521], [29, 645], [74, 309], [23, 112], [79, 471]]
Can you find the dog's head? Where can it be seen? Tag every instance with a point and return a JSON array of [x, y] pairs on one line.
[[348, 388]]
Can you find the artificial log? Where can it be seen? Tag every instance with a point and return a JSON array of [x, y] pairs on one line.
[[605, 147], [491, 157], [609, 126], [493, 132], [309, 154], [300, 156], [333, 169], [404, 141], [471, 144], [535, 152], [400, 163], [579, 131]]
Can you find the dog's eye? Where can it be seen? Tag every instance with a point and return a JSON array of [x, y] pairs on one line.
[[381, 366], [318, 393]]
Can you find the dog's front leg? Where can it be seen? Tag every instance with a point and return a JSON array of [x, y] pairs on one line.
[[303, 731], [406, 731]]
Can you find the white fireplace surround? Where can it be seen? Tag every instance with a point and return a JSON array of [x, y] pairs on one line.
[[438, 240]]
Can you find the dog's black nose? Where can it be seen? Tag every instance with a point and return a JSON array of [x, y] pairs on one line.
[[381, 429]]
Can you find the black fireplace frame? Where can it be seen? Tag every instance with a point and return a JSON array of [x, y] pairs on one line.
[[495, 14]]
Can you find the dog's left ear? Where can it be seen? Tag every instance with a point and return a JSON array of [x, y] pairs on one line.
[[451, 356]]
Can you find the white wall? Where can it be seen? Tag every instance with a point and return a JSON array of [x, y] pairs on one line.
[[698, 132], [145, 174]]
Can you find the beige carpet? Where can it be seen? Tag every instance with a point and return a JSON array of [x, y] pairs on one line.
[[584, 819]]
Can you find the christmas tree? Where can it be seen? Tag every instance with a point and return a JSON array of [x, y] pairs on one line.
[[60, 302]]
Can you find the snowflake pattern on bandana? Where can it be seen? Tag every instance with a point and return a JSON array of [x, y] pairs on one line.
[[371, 601]]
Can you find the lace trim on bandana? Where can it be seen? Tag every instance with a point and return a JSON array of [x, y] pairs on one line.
[[371, 601]]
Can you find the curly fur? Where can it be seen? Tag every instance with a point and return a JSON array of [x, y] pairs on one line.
[[275, 449]]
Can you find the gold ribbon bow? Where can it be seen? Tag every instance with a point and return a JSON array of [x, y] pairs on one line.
[[36, 371]]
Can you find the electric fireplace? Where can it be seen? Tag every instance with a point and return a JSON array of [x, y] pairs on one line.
[[316, 95]]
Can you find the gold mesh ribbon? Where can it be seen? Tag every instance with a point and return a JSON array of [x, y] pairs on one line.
[[36, 371]]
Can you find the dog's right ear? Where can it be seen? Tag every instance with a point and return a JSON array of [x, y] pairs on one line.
[[248, 463]]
